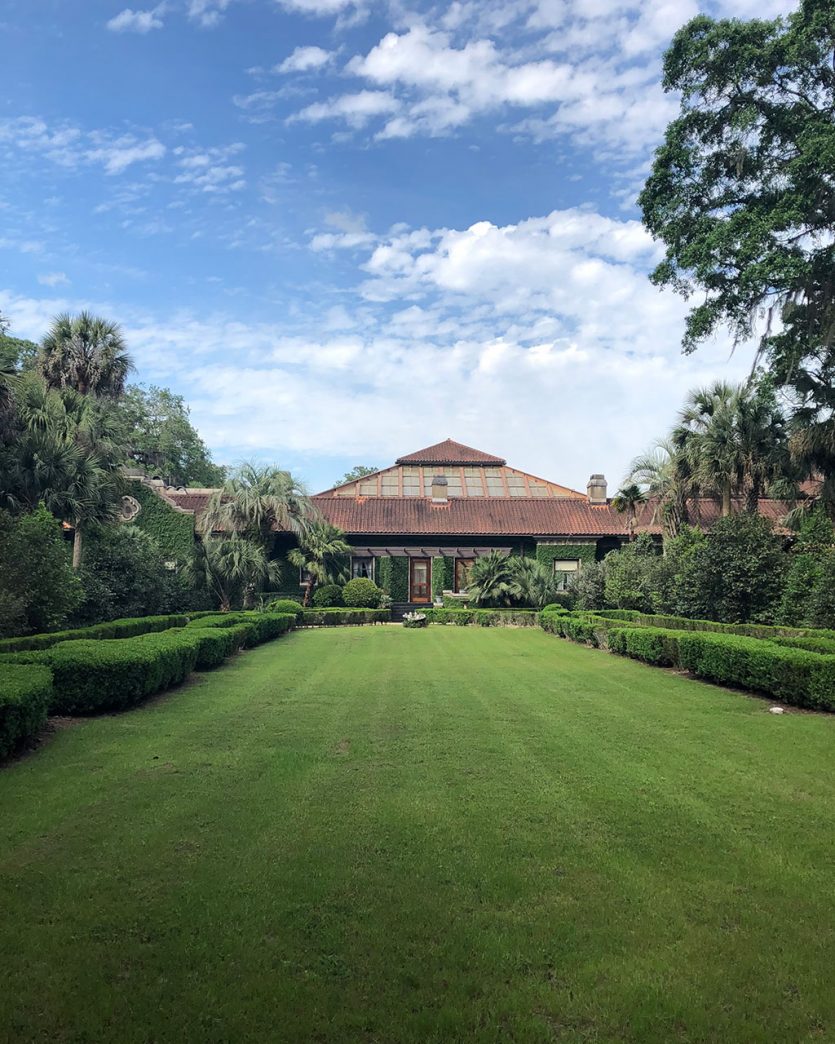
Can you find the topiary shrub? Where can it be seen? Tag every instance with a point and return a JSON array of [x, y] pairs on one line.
[[361, 593], [284, 605], [328, 596]]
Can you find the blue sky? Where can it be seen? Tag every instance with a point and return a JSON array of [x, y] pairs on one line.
[[346, 229]]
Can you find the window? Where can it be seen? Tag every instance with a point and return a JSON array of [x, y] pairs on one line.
[[564, 571], [462, 574], [362, 567]]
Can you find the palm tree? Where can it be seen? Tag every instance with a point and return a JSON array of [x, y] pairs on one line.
[[230, 568], [255, 501], [491, 580], [666, 482], [626, 501], [86, 353], [534, 583], [67, 454], [732, 442], [318, 547]]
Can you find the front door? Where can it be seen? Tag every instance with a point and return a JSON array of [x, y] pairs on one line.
[[420, 579]]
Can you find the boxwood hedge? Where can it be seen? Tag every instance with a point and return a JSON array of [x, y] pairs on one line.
[[127, 628], [25, 694], [483, 617], [336, 617]]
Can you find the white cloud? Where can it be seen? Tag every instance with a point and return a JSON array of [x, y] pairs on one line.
[[356, 109], [119, 154], [305, 59], [53, 279], [207, 13], [209, 170], [130, 21], [317, 7]]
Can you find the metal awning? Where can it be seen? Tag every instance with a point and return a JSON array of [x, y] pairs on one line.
[[426, 552]]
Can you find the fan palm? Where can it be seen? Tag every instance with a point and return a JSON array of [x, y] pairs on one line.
[[231, 569], [86, 353], [256, 501], [318, 547], [492, 581], [67, 455], [534, 583], [626, 501], [666, 482]]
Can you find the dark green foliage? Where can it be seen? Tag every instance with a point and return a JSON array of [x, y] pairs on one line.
[[589, 585], [483, 617], [327, 596], [358, 472], [826, 646], [124, 575], [162, 439], [683, 623], [337, 617], [547, 554], [361, 593], [114, 629], [25, 693], [36, 578], [555, 607], [394, 577], [443, 575], [630, 575], [491, 582], [172, 530], [579, 627]]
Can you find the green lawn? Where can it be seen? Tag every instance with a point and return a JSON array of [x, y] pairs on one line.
[[374, 834]]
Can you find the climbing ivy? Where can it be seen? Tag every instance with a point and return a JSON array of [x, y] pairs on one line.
[[172, 530]]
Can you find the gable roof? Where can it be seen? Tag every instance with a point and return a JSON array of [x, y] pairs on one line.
[[451, 452]]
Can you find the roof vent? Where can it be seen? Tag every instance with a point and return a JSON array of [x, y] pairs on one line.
[[596, 489], [439, 490]]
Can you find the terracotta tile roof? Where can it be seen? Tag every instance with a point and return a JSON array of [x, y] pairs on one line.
[[471, 517], [523, 516], [451, 452]]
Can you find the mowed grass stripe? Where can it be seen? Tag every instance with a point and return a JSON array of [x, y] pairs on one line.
[[452, 834]]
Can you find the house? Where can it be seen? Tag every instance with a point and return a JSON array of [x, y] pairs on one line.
[[416, 527]]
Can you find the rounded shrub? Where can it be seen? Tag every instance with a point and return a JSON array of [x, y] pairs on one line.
[[328, 596], [362, 593], [284, 605]]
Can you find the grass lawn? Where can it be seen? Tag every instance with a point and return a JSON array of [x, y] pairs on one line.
[[375, 834]]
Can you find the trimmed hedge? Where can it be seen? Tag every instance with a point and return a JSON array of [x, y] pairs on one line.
[[797, 676], [25, 694], [362, 593], [338, 616], [91, 676], [484, 617], [683, 623], [825, 646], [806, 679], [127, 628], [285, 605], [579, 627]]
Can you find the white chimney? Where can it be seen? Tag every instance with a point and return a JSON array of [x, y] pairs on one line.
[[439, 490], [596, 489]]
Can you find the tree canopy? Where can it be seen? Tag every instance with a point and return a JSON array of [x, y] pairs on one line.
[[742, 195]]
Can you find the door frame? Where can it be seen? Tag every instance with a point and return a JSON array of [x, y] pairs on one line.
[[428, 599]]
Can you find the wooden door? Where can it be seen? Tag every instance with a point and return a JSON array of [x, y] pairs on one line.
[[420, 579]]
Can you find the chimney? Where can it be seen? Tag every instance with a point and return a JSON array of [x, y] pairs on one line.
[[439, 490], [596, 489]]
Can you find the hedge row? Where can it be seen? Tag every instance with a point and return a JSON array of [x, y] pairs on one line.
[[25, 694], [579, 627], [127, 628], [337, 616], [683, 623], [483, 617], [796, 676], [91, 676]]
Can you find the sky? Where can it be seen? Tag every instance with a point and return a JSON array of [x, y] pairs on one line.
[[347, 229]]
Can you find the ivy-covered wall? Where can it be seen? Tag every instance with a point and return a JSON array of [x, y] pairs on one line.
[[393, 576], [443, 575], [173, 530], [548, 553]]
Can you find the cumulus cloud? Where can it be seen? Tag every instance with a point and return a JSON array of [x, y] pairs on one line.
[[304, 59], [130, 21], [53, 279], [207, 13], [210, 170]]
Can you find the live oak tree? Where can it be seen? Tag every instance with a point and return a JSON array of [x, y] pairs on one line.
[[742, 194]]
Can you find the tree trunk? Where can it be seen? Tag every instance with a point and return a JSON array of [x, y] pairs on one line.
[[308, 592], [76, 547], [726, 500]]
